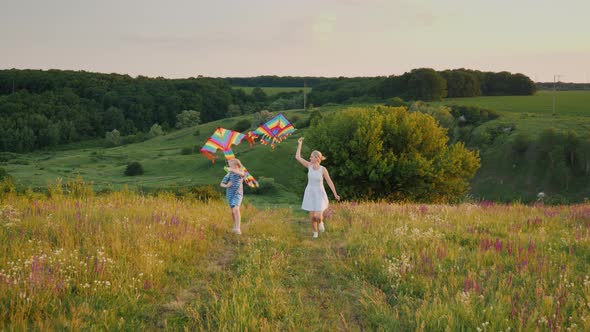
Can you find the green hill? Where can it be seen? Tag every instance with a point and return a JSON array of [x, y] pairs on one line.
[[165, 167], [163, 163]]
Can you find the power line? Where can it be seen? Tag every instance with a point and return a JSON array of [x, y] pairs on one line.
[[554, 90]]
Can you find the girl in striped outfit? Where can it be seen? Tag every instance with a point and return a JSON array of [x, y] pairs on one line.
[[234, 184]]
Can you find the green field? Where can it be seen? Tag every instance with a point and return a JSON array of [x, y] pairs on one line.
[[272, 90], [571, 103], [533, 114], [129, 262]]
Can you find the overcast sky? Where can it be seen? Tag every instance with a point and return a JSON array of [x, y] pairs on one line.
[[221, 38]]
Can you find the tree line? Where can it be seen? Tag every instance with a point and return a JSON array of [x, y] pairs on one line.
[[47, 108], [422, 84], [419, 84]]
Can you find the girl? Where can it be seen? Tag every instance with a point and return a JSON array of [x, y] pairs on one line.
[[315, 199], [233, 182]]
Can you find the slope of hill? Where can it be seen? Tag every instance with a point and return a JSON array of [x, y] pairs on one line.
[[165, 167], [163, 163]]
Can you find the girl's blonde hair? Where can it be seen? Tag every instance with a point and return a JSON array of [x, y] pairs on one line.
[[318, 155], [237, 161]]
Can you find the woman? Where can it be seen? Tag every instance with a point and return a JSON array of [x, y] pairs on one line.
[[315, 199]]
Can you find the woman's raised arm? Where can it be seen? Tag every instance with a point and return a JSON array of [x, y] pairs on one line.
[[298, 154]]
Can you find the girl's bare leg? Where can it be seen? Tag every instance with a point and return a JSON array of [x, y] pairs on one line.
[[237, 217]]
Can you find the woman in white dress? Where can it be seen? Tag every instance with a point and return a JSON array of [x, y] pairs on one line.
[[315, 199]]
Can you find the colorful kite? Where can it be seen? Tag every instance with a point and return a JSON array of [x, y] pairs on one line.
[[222, 139], [273, 131]]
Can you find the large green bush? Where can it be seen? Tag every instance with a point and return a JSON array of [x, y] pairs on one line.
[[389, 153], [134, 168]]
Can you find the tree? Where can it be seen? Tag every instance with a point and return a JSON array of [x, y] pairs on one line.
[[156, 130], [113, 137], [259, 95], [113, 118], [187, 119], [261, 117], [426, 84], [233, 110], [389, 153]]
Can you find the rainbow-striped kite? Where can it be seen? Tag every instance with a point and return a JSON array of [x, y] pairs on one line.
[[222, 139], [273, 131]]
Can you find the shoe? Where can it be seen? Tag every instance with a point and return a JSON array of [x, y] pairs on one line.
[[315, 235], [321, 227], [236, 231]]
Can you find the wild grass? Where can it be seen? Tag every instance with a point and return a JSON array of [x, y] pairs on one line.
[[126, 261]]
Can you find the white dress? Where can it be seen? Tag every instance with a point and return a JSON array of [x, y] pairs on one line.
[[315, 197]]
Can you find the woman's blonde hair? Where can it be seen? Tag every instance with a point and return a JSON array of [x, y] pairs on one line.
[[236, 160], [318, 155]]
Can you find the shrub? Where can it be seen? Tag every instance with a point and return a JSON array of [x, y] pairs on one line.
[[303, 123], [395, 102], [134, 168], [242, 125], [78, 188], [7, 186], [186, 150], [3, 173], [113, 138], [200, 193], [314, 117], [156, 130], [473, 115], [265, 185]]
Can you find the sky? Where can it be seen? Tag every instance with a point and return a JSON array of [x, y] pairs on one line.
[[239, 38]]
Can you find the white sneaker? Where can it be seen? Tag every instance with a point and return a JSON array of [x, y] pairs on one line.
[[321, 227], [236, 231], [315, 235]]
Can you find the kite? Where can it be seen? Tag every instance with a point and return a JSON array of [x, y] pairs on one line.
[[222, 139], [273, 131]]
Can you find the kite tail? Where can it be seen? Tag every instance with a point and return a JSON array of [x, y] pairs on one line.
[[250, 138], [248, 178], [209, 155]]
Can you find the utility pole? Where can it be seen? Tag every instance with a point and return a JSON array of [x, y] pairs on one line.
[[304, 94], [554, 90]]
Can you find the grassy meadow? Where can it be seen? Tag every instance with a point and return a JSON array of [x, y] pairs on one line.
[[124, 261]]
